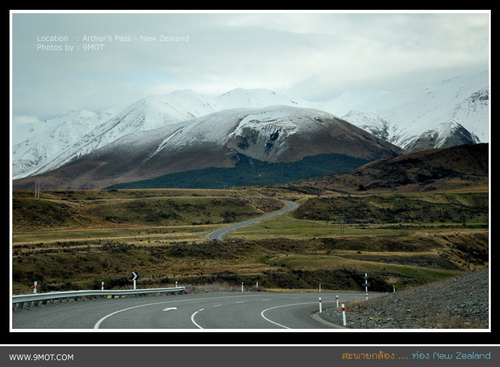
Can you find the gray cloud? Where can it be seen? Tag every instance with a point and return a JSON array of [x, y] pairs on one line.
[[308, 55]]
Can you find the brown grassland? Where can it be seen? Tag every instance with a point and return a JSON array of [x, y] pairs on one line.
[[69, 240]]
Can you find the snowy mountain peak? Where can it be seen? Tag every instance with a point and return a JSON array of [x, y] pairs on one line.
[[444, 135], [271, 134], [40, 147], [411, 115], [251, 98], [402, 117]]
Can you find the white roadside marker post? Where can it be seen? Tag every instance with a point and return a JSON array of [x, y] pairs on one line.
[[366, 285], [242, 287], [337, 299], [320, 309], [343, 315], [102, 286], [35, 287]]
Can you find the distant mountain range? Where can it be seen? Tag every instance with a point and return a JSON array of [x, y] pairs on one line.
[[184, 131], [269, 134]]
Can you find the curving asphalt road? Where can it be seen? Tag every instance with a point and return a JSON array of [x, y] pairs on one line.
[[217, 235], [230, 310], [222, 310]]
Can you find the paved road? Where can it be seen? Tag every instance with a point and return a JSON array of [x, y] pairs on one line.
[[217, 235], [221, 310]]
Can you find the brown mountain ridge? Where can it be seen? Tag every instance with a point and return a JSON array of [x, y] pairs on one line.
[[460, 168]]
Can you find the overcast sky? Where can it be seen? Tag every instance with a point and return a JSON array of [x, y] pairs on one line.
[[313, 56]]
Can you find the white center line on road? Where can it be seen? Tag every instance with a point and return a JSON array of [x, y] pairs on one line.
[[170, 308], [192, 318], [240, 302], [270, 308], [96, 326], [98, 323]]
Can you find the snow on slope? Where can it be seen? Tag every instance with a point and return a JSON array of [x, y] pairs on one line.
[[261, 133], [147, 114], [400, 117], [90, 131], [266, 133], [62, 132], [404, 116], [220, 127], [273, 134]]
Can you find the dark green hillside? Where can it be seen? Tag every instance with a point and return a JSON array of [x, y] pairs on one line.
[[251, 172]]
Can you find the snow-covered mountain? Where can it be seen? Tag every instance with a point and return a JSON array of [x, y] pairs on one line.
[[82, 132], [40, 146], [272, 134], [38, 153], [452, 112]]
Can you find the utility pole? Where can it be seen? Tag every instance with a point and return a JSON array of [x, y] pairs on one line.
[[37, 189], [342, 221]]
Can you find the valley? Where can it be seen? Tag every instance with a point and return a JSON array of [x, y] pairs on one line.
[[308, 152], [69, 240], [136, 189]]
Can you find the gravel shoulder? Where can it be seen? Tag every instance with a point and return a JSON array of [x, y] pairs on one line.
[[460, 302]]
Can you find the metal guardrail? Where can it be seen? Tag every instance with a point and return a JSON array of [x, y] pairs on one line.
[[40, 297]]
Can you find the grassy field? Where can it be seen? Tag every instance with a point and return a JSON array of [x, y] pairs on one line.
[[290, 227], [77, 239], [57, 210]]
